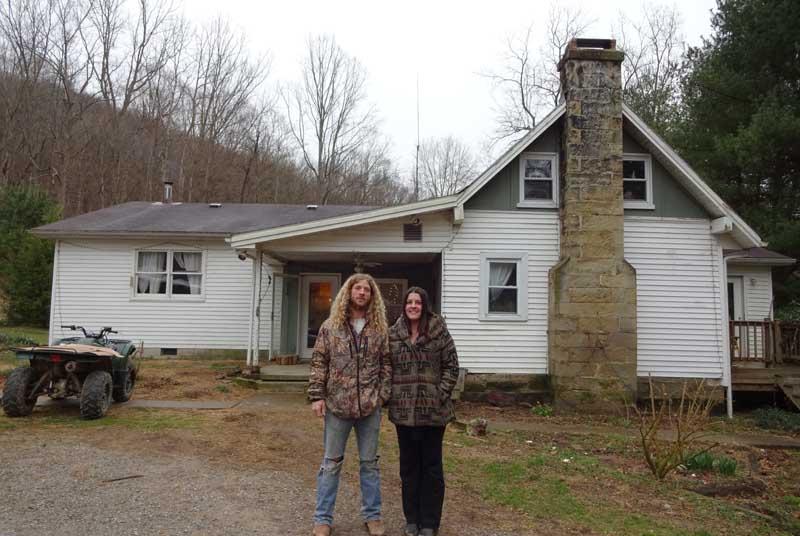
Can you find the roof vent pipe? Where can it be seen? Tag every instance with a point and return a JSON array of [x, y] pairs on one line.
[[167, 192]]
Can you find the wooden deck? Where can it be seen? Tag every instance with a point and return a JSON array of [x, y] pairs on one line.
[[785, 378]]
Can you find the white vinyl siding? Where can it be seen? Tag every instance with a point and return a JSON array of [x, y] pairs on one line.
[[385, 236], [679, 309], [93, 288], [499, 346], [757, 287]]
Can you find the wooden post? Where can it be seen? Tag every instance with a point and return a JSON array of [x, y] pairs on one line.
[[776, 329], [766, 336]]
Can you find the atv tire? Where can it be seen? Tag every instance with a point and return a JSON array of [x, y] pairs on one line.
[[16, 393], [96, 394], [122, 393]]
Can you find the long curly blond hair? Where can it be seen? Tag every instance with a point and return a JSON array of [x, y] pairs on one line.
[[376, 312]]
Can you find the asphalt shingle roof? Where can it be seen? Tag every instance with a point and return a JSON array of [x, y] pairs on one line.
[[191, 218]]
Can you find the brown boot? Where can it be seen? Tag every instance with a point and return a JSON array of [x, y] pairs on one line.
[[375, 527], [322, 530]]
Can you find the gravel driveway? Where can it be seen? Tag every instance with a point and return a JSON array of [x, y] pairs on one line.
[[67, 489]]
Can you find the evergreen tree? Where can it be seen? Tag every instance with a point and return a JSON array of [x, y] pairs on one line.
[[26, 262], [741, 120]]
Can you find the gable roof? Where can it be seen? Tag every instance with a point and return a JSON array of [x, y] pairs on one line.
[[660, 150], [191, 219]]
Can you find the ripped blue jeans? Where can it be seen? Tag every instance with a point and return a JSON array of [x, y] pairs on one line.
[[335, 437]]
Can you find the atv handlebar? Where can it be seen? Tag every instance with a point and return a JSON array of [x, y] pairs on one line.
[[89, 334]]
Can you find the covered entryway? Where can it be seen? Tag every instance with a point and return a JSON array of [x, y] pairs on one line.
[[310, 283]]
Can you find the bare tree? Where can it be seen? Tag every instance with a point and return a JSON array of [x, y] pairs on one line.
[[528, 80], [653, 65], [327, 114], [446, 165], [222, 83]]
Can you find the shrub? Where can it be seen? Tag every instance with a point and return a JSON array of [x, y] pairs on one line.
[[701, 461], [777, 419], [726, 466], [542, 410], [686, 422], [222, 388], [9, 341]]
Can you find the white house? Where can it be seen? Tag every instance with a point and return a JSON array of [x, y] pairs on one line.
[[189, 277]]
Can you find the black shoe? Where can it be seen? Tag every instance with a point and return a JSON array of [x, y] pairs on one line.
[[411, 530]]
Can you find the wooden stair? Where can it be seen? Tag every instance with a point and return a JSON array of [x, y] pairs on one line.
[[784, 378], [791, 388]]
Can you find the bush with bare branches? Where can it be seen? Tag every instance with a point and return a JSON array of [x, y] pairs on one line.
[[670, 430]]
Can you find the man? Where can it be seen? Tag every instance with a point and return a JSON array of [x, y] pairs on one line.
[[350, 381]]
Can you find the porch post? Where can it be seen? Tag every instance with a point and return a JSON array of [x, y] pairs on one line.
[[252, 315], [258, 263]]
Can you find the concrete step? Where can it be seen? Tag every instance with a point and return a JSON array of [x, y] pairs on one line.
[[285, 373], [270, 386]]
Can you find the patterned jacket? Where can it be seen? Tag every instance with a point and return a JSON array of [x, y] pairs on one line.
[[353, 375], [423, 376]]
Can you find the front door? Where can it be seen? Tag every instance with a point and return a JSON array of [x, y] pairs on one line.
[[735, 298], [316, 297]]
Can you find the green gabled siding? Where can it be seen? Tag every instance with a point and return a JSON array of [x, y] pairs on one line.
[[669, 197], [502, 191]]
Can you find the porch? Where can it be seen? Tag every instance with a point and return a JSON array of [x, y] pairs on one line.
[[304, 285], [765, 357]]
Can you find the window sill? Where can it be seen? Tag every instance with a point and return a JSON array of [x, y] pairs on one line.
[[537, 204], [639, 205], [168, 299], [499, 318]]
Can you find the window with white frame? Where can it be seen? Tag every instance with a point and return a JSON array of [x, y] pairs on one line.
[[538, 180], [504, 287], [169, 273], [637, 181]]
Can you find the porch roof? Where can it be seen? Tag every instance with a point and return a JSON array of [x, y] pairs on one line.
[[761, 256]]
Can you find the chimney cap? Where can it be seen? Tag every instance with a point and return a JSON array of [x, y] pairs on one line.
[[585, 42], [591, 50]]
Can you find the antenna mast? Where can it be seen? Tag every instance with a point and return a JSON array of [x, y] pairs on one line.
[[416, 165]]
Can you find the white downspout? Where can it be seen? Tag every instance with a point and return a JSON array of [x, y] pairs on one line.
[[726, 340], [54, 292]]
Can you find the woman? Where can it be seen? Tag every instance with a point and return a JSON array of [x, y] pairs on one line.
[[424, 373]]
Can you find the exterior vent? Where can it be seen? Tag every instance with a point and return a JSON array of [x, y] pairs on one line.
[[169, 351], [412, 232]]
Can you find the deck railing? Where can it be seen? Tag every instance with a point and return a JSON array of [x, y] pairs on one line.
[[767, 341]]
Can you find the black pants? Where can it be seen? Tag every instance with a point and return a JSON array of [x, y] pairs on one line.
[[422, 474]]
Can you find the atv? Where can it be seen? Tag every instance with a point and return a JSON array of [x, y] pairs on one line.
[[93, 368]]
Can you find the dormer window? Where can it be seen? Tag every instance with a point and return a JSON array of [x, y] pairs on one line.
[[538, 180], [637, 181]]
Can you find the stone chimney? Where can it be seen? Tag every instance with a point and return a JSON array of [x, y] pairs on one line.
[[592, 316]]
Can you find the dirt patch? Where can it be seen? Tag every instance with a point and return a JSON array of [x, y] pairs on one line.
[[181, 379]]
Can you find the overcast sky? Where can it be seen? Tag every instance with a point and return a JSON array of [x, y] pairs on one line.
[[446, 43]]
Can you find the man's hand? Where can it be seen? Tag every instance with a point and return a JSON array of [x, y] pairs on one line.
[[318, 407]]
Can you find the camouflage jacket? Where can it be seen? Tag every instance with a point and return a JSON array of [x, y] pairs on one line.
[[353, 375], [423, 375]]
